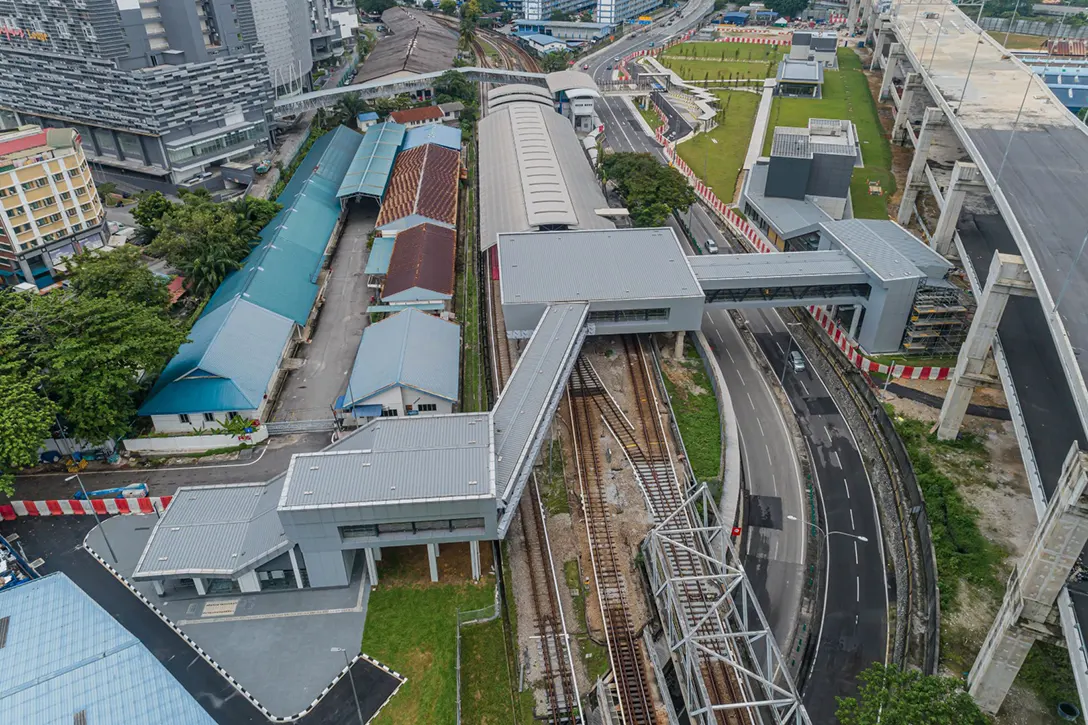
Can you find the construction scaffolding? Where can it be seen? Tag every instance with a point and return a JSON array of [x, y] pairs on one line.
[[939, 320]]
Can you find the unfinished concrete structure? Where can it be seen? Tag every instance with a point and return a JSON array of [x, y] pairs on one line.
[[1003, 161]]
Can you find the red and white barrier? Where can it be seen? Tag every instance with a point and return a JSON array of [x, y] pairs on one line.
[[754, 41], [754, 237], [71, 507]]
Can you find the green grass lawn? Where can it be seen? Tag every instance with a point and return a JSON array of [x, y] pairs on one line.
[[650, 117], [411, 627], [729, 51], [697, 415], [712, 70], [486, 697], [721, 152], [846, 96]]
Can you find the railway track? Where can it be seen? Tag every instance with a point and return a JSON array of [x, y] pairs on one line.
[[632, 685], [644, 443]]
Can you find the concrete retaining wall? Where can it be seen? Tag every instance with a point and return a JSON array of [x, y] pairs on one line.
[[191, 444]]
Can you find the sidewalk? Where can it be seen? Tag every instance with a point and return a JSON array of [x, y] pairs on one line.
[[759, 130]]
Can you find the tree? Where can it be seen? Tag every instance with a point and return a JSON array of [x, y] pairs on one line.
[[556, 61], [787, 8], [90, 353], [348, 107], [105, 189], [559, 16], [122, 272], [890, 696], [150, 208], [507, 16], [25, 418], [454, 86], [470, 11], [428, 5], [375, 7], [207, 267], [650, 191], [447, 7], [253, 214], [487, 7]]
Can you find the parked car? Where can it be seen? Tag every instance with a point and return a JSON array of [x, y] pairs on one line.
[[711, 246], [797, 361]]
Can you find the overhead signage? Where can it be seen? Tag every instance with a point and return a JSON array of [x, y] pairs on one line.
[[9, 32]]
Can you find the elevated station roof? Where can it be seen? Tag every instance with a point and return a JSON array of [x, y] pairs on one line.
[[517, 92], [598, 265], [216, 531], [368, 174], [566, 80], [721, 271], [538, 376], [886, 248], [533, 173], [396, 460]]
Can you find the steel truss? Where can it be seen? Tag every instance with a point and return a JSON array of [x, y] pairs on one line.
[[713, 623]]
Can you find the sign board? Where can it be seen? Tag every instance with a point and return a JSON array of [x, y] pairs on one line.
[[736, 531]]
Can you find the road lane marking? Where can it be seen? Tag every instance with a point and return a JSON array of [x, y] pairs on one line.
[[857, 581], [737, 370], [851, 519], [856, 551], [834, 458], [750, 400], [847, 486], [760, 428], [774, 482], [719, 334], [775, 554], [802, 386], [779, 346], [768, 449]]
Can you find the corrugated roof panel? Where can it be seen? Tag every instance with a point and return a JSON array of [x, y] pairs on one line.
[[424, 257], [377, 262], [446, 136], [368, 173], [412, 349], [214, 530], [790, 217], [424, 183], [396, 459], [887, 248], [520, 408], [50, 674], [614, 264]]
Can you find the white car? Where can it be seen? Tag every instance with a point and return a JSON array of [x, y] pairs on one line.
[[711, 246]]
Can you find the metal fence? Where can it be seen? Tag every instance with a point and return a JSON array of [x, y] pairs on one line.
[[1034, 27], [465, 618]]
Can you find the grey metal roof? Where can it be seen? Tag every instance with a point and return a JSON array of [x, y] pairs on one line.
[[565, 80], [800, 71], [373, 161], [538, 375], [419, 44], [880, 245], [790, 217], [390, 460], [534, 172], [790, 143], [410, 349], [727, 271], [614, 264], [215, 530], [65, 654], [516, 92]]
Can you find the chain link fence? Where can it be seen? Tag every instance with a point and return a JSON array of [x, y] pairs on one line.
[[465, 618]]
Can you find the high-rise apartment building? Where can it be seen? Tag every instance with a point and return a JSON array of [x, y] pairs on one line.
[[158, 90], [618, 11], [49, 206]]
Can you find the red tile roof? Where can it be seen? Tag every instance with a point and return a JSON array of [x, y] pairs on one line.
[[424, 257], [1074, 48], [415, 115], [424, 182]]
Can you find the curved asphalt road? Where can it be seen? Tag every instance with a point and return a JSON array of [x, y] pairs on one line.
[[854, 630]]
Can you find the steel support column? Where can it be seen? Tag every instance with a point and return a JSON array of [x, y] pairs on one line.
[[1007, 276], [1027, 612]]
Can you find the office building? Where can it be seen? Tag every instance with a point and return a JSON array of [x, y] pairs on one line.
[[158, 90], [50, 203]]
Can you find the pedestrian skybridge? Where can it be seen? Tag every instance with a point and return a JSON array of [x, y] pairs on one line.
[[791, 278]]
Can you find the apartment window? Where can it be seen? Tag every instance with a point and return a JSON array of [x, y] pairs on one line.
[[209, 417], [85, 207], [41, 182], [58, 177], [77, 227], [27, 185], [389, 412], [65, 195], [81, 191], [183, 418], [71, 212], [15, 211], [426, 407], [22, 228], [52, 219], [36, 205], [7, 191]]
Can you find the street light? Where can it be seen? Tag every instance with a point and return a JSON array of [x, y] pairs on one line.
[[827, 533], [97, 520], [789, 346], [347, 662]]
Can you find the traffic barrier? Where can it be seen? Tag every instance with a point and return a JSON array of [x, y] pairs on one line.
[[72, 507]]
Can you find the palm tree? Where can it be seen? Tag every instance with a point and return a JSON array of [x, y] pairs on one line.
[[322, 118], [208, 268], [348, 107]]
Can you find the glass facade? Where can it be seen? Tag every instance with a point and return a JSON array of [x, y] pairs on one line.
[[215, 145], [130, 147]]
